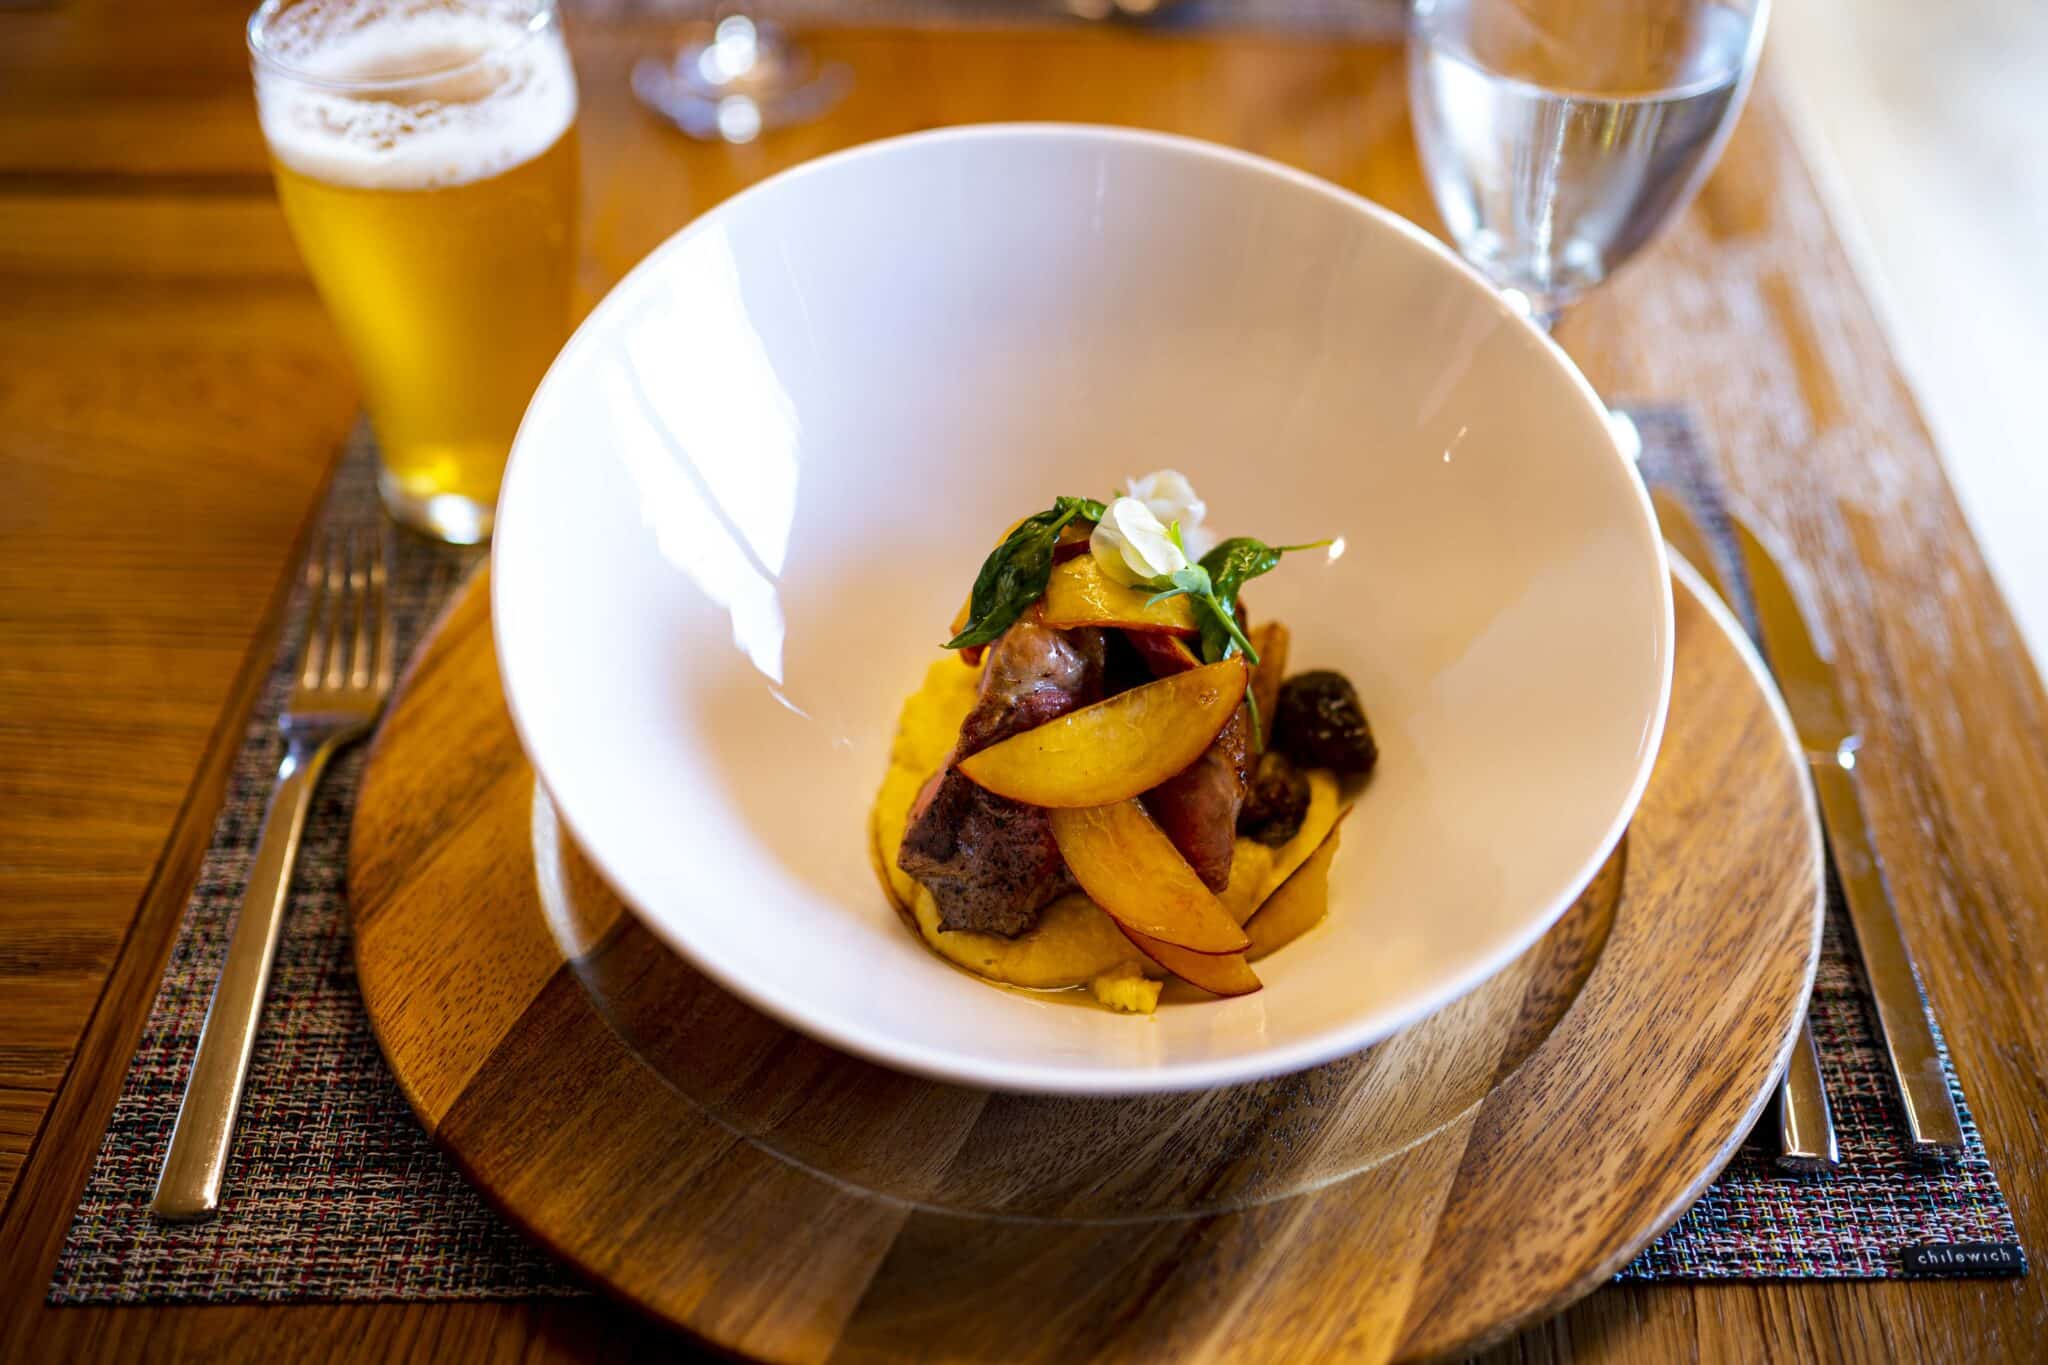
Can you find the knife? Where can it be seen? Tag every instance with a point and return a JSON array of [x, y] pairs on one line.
[[1807, 679], [1806, 1122]]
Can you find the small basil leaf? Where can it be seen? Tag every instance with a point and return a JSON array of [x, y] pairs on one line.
[[1236, 562], [1230, 566], [1216, 641], [1013, 576]]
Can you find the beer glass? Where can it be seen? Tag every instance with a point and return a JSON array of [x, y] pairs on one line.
[[425, 155]]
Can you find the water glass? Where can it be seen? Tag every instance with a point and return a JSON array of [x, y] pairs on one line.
[[1559, 135]]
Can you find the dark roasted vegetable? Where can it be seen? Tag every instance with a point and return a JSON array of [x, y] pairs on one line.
[[1321, 724], [1277, 803]]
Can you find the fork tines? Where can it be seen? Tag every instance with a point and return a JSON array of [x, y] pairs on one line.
[[348, 617]]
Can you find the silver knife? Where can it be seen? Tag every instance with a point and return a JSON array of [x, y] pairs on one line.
[[1806, 1122], [1807, 679]]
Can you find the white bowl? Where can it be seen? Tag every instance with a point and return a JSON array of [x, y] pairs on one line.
[[756, 484]]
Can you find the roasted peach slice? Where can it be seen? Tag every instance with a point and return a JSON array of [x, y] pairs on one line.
[[1216, 973], [1117, 748], [1131, 869], [1270, 640], [1080, 594], [1297, 905]]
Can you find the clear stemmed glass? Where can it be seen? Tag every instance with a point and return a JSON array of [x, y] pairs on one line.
[[739, 79], [1558, 136]]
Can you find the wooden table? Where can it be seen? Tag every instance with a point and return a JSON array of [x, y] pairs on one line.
[[171, 397]]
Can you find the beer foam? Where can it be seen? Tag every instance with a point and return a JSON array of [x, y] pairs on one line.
[[483, 93]]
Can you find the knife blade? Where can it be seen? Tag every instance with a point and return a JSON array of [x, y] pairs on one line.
[[1806, 677], [1806, 1121]]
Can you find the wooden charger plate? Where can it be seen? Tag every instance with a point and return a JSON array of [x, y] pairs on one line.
[[709, 1166]]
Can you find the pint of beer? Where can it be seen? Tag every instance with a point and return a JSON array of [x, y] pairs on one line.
[[425, 153]]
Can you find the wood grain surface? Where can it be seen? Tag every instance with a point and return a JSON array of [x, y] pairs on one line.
[[167, 417], [783, 1200]]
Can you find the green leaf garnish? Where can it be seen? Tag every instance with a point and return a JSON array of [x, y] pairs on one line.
[[1228, 568], [1015, 573]]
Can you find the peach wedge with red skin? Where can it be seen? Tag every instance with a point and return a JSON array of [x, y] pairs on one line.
[[1298, 904], [1131, 869], [1080, 594], [1216, 973], [1111, 751], [1270, 640]]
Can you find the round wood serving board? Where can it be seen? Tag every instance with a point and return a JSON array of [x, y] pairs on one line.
[[693, 1157]]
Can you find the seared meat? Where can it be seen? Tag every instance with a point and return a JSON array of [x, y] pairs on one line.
[[1198, 809], [991, 863], [1033, 675], [1163, 655], [1123, 668]]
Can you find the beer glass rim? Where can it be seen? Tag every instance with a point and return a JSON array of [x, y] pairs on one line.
[[541, 16]]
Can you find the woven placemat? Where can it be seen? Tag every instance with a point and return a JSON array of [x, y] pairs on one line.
[[1884, 1213], [336, 1192]]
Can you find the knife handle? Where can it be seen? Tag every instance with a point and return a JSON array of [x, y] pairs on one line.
[[1931, 1121], [1806, 1125]]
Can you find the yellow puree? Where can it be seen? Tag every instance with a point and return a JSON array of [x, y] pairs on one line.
[[1075, 943]]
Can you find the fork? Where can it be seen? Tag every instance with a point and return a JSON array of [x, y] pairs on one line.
[[1806, 1121], [344, 675]]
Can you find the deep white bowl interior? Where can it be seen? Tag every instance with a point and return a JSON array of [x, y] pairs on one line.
[[754, 487]]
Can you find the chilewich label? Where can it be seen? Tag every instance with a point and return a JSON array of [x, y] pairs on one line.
[[1964, 1258]]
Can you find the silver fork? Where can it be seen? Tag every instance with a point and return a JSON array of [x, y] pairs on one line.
[[1806, 1121], [344, 676]]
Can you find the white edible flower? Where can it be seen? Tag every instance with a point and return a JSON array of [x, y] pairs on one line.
[[1171, 498], [1131, 544]]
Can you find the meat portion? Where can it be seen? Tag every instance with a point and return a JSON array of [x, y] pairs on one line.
[[1033, 675], [1198, 809], [1164, 655], [991, 863]]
